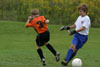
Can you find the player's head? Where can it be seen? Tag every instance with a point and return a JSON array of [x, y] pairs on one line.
[[35, 12], [83, 9]]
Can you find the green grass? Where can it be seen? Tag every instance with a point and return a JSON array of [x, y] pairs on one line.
[[18, 48]]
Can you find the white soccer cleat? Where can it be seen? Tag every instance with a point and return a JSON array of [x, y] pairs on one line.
[[43, 62], [57, 56]]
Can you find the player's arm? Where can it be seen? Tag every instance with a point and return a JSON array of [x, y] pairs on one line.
[[72, 26], [67, 28], [29, 19], [81, 29], [28, 24], [76, 31]]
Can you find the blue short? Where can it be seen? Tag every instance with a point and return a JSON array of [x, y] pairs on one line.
[[79, 40]]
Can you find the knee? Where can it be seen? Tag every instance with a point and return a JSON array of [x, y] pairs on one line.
[[38, 47], [46, 43], [73, 47]]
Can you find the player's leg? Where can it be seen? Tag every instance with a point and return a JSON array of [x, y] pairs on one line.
[[40, 53], [82, 40], [39, 50], [70, 54], [77, 42], [57, 54], [72, 50], [49, 46]]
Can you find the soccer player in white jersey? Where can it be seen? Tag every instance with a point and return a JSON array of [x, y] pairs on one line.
[[81, 32]]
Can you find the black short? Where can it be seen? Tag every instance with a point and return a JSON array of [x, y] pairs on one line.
[[42, 38]]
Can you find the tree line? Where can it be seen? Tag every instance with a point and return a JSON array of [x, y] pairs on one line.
[[58, 11]]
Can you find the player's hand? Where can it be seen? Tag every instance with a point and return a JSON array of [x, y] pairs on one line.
[[72, 32], [64, 28], [47, 21], [29, 17]]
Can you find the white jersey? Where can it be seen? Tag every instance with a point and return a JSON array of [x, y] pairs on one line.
[[83, 21]]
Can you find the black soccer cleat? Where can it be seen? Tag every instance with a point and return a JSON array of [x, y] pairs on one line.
[[57, 56], [43, 62], [64, 63]]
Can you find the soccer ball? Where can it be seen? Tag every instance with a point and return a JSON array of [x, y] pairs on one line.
[[77, 62]]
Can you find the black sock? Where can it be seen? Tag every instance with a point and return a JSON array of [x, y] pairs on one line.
[[40, 53], [51, 49]]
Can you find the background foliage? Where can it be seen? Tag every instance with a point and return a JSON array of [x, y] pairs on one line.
[[58, 11]]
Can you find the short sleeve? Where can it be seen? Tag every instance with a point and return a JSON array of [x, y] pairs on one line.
[[43, 19], [29, 25], [86, 23]]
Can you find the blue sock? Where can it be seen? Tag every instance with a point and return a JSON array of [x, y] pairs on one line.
[[72, 55], [69, 55]]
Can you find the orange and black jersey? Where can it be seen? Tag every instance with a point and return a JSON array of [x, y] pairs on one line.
[[38, 23]]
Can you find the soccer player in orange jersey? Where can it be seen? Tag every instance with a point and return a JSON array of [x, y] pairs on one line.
[[39, 23]]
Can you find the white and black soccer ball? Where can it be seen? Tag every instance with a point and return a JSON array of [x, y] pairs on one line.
[[77, 62]]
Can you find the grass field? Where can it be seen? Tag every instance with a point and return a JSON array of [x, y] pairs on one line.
[[18, 48]]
